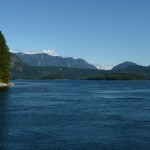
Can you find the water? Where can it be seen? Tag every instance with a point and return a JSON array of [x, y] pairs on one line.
[[75, 115]]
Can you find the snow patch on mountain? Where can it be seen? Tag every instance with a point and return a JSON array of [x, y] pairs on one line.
[[104, 66]]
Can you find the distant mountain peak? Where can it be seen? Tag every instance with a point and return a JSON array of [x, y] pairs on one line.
[[104, 66], [123, 65]]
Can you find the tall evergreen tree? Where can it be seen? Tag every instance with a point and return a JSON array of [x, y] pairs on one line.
[[4, 60]]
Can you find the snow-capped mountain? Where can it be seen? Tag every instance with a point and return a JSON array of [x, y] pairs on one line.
[[104, 67]]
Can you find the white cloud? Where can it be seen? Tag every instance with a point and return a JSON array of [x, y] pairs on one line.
[[49, 52], [11, 50]]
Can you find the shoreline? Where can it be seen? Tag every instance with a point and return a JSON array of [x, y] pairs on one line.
[[5, 84]]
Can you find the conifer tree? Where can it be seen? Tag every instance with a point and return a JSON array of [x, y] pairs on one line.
[[4, 60]]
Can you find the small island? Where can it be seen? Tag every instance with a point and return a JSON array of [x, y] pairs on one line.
[[4, 62]]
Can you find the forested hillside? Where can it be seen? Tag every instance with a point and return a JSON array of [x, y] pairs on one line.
[[4, 60], [20, 70]]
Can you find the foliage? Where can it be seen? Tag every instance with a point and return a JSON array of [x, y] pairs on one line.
[[4, 60], [20, 70], [45, 73], [119, 76]]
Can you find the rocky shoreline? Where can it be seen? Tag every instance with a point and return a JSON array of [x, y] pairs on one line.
[[5, 84]]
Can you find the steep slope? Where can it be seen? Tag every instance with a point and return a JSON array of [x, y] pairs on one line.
[[16, 63], [55, 61], [123, 66], [20, 70], [138, 69], [4, 61]]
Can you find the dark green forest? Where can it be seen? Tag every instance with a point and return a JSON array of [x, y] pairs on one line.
[[4, 60], [119, 76]]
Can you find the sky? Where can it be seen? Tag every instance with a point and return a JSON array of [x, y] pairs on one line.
[[99, 31]]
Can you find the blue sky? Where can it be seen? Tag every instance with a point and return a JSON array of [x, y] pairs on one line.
[[99, 31]]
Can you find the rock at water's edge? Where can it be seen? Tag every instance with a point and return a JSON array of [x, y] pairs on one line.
[[5, 85]]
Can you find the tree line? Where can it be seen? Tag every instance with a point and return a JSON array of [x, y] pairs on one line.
[[4, 60]]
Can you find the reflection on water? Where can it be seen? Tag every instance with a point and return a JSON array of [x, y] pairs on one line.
[[3, 117]]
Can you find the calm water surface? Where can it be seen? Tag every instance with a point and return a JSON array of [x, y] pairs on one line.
[[75, 115]]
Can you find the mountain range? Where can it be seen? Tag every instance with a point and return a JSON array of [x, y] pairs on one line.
[[43, 59], [126, 70], [21, 70]]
